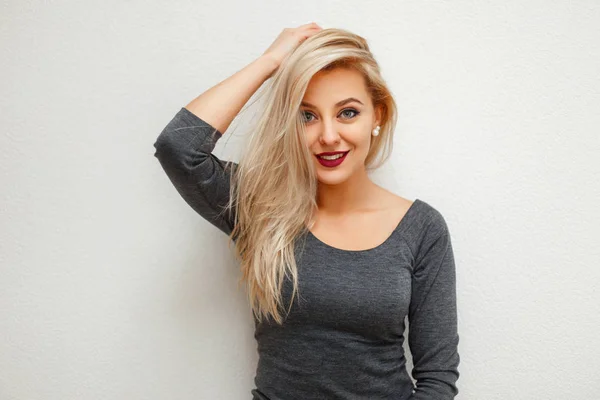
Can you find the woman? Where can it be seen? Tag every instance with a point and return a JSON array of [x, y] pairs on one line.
[[347, 258]]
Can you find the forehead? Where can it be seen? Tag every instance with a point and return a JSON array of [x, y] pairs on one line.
[[328, 87]]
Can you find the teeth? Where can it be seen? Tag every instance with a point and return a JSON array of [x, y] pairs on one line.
[[332, 157]]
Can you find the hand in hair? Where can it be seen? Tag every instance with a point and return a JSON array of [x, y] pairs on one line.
[[288, 40]]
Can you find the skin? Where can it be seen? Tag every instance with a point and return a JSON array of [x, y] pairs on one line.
[[354, 212]]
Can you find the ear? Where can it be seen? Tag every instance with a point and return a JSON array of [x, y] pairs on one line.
[[378, 114]]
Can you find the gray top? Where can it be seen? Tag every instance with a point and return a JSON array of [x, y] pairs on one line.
[[344, 340]]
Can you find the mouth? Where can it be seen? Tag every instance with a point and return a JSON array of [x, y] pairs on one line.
[[332, 161]]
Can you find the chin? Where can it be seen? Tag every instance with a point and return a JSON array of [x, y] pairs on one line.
[[331, 178]]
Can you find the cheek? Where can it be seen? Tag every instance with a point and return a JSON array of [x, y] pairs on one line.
[[312, 142], [359, 139], [312, 138]]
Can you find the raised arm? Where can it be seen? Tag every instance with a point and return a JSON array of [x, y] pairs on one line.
[[219, 105], [433, 333], [184, 147], [184, 150]]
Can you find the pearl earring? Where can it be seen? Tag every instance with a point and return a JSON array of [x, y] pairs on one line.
[[376, 131]]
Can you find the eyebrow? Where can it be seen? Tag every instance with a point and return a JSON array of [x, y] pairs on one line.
[[338, 104]]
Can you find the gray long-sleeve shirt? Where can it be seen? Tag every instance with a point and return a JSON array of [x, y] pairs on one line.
[[344, 339]]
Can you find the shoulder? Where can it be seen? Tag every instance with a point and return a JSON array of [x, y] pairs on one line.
[[426, 226], [389, 200], [425, 218], [432, 221]]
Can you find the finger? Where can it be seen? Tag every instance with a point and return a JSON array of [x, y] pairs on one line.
[[309, 25], [310, 30]]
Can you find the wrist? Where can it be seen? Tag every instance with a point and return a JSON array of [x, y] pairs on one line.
[[270, 63]]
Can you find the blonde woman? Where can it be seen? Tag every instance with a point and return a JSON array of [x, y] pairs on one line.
[[331, 261]]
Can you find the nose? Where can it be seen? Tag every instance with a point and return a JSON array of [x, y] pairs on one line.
[[329, 134]]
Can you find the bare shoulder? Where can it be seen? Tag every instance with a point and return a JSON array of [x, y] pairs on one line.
[[392, 201]]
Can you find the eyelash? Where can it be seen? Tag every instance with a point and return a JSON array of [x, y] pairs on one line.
[[356, 112]]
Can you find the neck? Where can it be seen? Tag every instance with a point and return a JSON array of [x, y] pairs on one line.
[[350, 196]]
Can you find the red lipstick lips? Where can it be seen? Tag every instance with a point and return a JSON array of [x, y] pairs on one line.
[[334, 162]]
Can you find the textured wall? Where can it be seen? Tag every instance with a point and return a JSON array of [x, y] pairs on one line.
[[111, 288]]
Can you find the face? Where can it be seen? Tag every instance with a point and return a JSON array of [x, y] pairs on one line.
[[339, 117]]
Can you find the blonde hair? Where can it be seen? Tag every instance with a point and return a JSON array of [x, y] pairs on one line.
[[274, 187]]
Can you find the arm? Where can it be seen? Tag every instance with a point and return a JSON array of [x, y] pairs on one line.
[[184, 147], [219, 105], [184, 150], [433, 333]]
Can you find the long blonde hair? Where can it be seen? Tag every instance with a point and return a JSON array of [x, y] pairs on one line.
[[274, 187]]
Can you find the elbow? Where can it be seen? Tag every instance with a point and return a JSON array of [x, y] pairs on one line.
[[163, 146], [185, 166]]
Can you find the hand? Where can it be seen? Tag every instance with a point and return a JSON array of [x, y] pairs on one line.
[[288, 40]]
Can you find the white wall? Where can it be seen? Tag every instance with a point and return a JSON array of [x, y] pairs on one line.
[[112, 288]]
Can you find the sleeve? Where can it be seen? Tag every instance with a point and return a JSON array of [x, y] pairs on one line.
[[184, 150], [433, 334]]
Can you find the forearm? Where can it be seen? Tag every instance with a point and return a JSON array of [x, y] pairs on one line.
[[221, 103]]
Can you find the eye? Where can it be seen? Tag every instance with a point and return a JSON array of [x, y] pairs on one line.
[[304, 114], [356, 112]]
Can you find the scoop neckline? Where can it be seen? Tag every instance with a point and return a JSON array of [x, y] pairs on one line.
[[400, 224]]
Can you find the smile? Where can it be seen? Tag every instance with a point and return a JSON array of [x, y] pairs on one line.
[[332, 161]]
